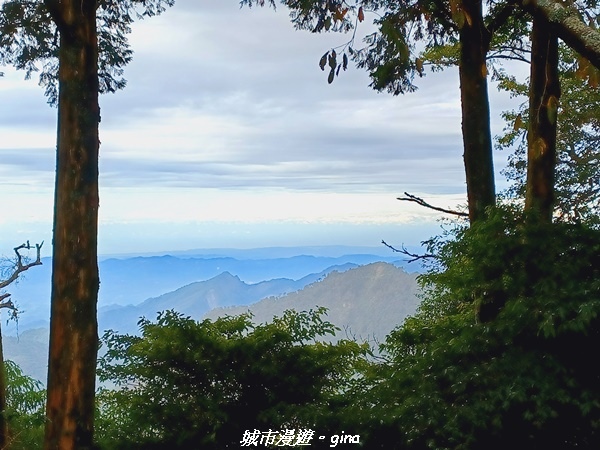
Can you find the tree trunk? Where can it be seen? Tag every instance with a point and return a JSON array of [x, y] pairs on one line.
[[477, 137], [544, 93], [73, 323]]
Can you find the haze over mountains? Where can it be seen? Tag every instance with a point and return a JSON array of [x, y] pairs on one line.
[[366, 302], [366, 297], [198, 298], [132, 280]]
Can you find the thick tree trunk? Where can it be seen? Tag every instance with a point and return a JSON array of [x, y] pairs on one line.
[[477, 137], [544, 94], [73, 324]]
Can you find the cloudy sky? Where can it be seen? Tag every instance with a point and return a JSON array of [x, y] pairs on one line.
[[228, 135]]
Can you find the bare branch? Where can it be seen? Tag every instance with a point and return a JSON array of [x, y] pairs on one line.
[[21, 267], [414, 256], [7, 304], [420, 201]]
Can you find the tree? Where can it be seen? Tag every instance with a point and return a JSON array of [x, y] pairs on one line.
[[26, 401], [393, 63], [75, 283], [577, 186], [450, 380], [566, 20], [188, 384], [11, 270], [64, 37]]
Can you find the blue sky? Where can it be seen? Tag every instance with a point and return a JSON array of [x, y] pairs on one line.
[[228, 135]]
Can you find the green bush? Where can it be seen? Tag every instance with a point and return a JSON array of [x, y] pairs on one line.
[[25, 409], [189, 384], [501, 353]]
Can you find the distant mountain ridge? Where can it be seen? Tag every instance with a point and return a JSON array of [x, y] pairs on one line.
[[131, 281], [196, 299], [366, 302]]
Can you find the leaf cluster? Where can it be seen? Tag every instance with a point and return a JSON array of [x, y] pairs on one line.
[[30, 39], [189, 384], [521, 378], [25, 409]]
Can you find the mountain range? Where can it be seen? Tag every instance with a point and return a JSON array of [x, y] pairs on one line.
[[365, 297], [196, 299], [132, 280], [365, 302]]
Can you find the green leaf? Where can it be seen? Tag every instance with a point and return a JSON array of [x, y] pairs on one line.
[[331, 76], [333, 59], [323, 61]]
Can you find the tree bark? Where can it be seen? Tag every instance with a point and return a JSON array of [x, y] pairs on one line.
[[544, 95], [477, 137], [569, 27], [75, 282]]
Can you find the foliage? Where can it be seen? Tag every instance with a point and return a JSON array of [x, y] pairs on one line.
[[29, 39], [498, 355], [523, 377], [577, 182], [408, 35], [26, 401], [188, 384]]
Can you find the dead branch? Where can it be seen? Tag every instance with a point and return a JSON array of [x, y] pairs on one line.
[[7, 304], [413, 256], [21, 266], [420, 201]]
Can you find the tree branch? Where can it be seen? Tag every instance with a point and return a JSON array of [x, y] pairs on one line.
[[20, 267], [420, 201], [568, 26], [502, 16], [413, 256], [7, 304]]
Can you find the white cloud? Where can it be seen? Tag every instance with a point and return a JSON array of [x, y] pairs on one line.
[[228, 118]]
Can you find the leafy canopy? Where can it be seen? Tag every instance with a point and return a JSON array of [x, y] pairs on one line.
[[25, 409], [189, 384], [29, 39], [520, 378]]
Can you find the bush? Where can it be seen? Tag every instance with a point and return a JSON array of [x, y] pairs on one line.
[[189, 384], [501, 352], [25, 409]]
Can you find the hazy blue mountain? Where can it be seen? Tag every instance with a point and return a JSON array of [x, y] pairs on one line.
[[29, 351], [366, 302], [331, 251], [130, 281], [198, 298]]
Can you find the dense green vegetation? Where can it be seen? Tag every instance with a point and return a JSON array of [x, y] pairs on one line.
[[25, 412], [502, 351], [499, 354], [189, 384]]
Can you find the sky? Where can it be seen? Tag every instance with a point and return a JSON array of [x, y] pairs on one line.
[[228, 135]]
